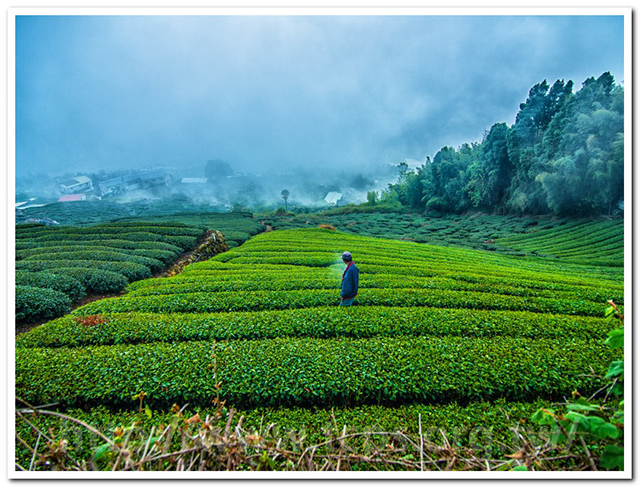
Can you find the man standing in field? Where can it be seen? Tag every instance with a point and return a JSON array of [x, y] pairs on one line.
[[349, 281]]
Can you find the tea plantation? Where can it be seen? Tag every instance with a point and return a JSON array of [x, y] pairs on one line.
[[583, 242], [59, 265], [505, 234], [56, 266], [441, 338]]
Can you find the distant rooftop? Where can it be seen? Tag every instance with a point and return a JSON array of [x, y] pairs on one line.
[[194, 180], [72, 197]]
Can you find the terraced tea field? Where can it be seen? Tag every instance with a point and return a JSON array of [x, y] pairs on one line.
[[59, 265], [583, 242], [509, 235], [440, 338]]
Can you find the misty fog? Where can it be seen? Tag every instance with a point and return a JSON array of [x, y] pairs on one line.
[[308, 104]]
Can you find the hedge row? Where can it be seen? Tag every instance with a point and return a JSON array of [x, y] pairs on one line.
[[58, 282], [115, 243], [225, 270], [580, 243], [152, 264], [133, 236], [356, 322], [185, 243], [130, 270], [34, 303], [181, 242], [308, 371], [163, 223], [327, 240], [111, 229], [96, 281], [375, 264], [264, 300], [164, 256], [275, 282], [411, 266]]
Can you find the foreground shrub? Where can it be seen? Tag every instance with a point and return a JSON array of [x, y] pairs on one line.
[[309, 371]]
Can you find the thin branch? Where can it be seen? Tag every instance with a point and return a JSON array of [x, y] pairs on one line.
[[35, 450], [586, 450], [64, 416], [34, 426], [421, 442]]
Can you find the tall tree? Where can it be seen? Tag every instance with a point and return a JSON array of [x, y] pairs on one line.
[[285, 197]]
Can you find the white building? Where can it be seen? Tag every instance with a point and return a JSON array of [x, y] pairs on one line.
[[78, 184], [333, 197]]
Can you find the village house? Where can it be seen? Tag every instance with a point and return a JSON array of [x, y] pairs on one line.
[[154, 178], [78, 184], [131, 182]]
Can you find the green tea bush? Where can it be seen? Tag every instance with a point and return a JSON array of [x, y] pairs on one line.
[[321, 322], [109, 243], [199, 302], [274, 281], [590, 242], [133, 236], [34, 303], [130, 270], [96, 281], [167, 223], [162, 255], [109, 228], [152, 264], [58, 282], [287, 371], [185, 243]]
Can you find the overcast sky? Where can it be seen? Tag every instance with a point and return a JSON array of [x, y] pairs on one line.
[[283, 92]]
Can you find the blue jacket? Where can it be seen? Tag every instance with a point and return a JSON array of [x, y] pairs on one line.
[[350, 282]]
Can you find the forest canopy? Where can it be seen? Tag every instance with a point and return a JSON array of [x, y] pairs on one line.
[[564, 155]]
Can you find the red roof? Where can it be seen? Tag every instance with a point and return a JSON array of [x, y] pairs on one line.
[[72, 197]]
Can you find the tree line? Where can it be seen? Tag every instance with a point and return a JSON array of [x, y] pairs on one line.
[[564, 155]]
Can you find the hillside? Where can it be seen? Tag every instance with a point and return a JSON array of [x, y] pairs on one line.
[[441, 338]]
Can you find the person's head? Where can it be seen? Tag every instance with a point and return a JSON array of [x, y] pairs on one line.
[[346, 257]]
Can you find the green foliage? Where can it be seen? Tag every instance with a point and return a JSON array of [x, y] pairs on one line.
[[37, 246], [595, 242], [58, 282], [34, 303], [105, 256], [322, 322], [443, 332], [291, 371], [596, 421], [599, 241], [563, 155], [203, 302], [298, 428], [130, 270], [274, 281], [165, 256], [95, 281]]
